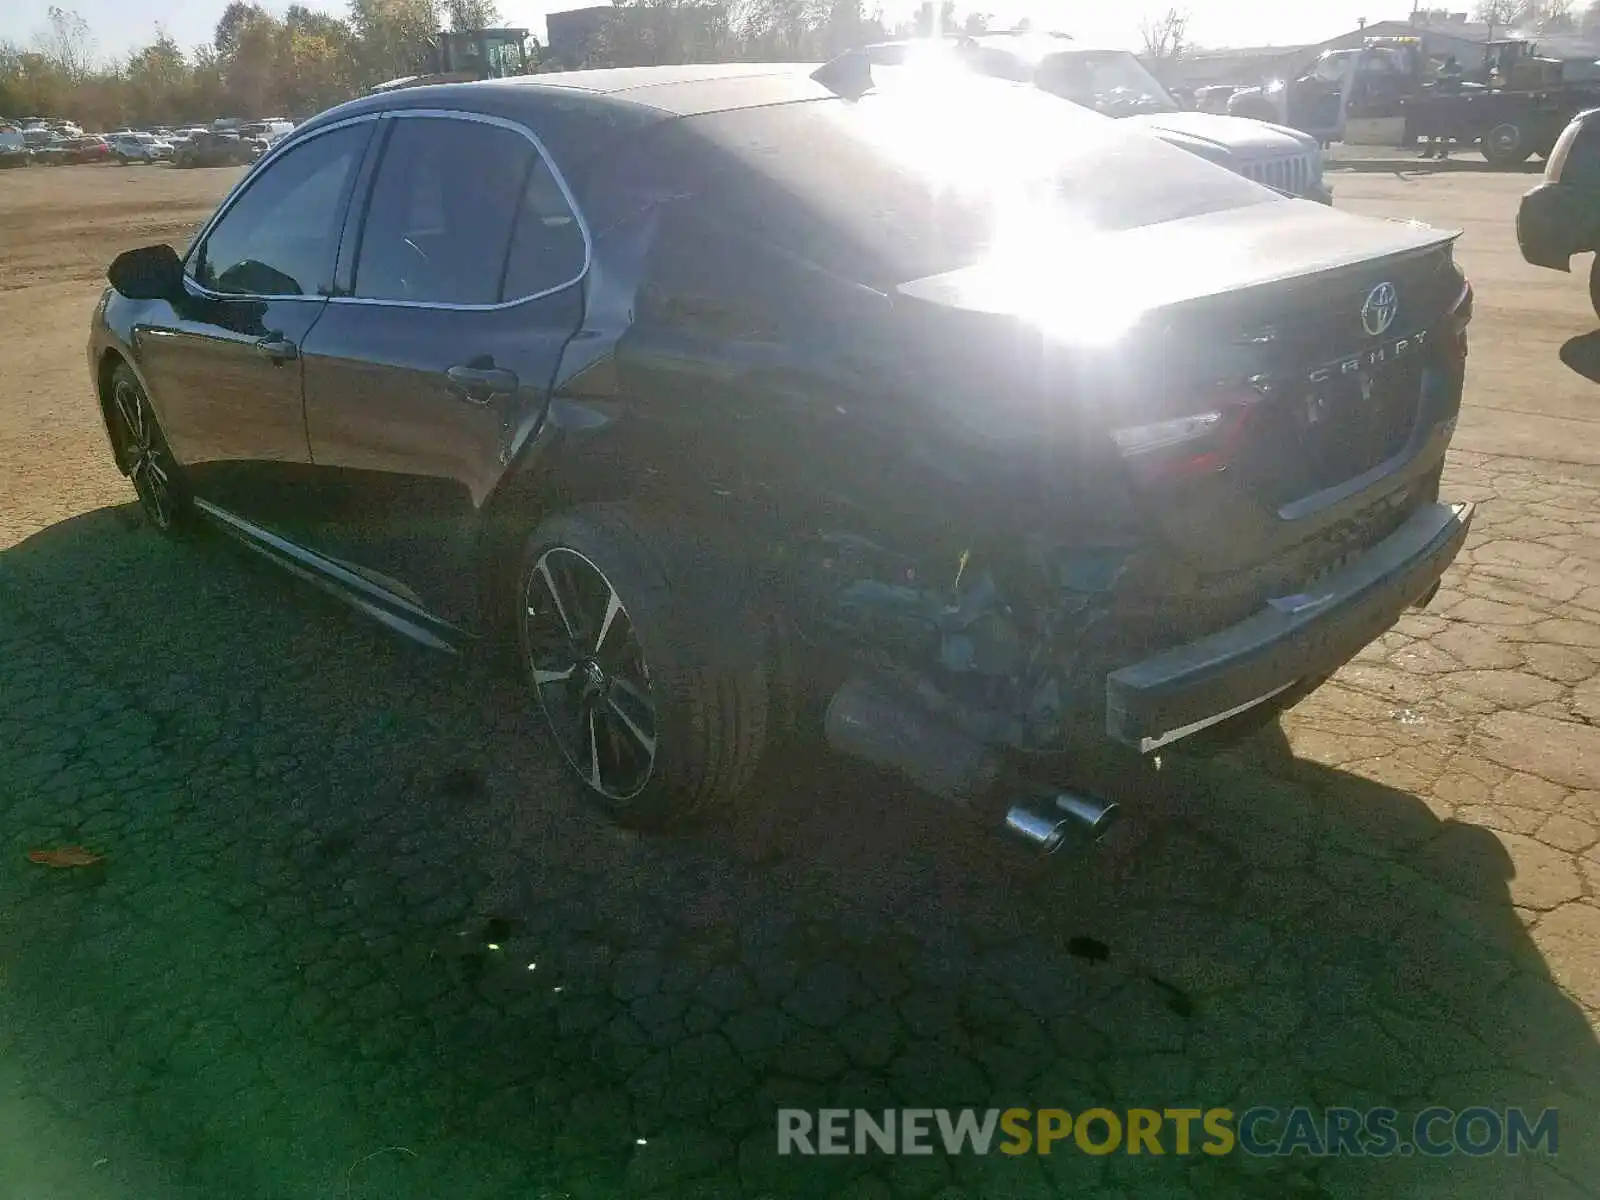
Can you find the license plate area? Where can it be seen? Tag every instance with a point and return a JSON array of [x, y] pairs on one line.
[[1334, 427]]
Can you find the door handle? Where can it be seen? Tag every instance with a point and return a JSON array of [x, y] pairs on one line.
[[277, 347], [480, 384]]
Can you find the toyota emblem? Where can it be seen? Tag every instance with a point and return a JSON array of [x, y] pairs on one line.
[[1378, 313]]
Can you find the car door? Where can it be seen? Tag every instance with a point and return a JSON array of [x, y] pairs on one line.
[[465, 284], [222, 364]]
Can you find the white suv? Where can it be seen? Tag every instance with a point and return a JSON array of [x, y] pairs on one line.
[[129, 147]]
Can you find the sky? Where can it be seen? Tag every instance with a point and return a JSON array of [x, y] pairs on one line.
[[122, 25]]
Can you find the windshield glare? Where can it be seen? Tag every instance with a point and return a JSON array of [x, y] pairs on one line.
[[1110, 81]]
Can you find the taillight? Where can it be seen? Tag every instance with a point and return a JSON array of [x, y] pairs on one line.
[[1556, 163], [1201, 443]]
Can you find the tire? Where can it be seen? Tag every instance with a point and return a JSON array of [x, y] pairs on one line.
[[1506, 146], [144, 456], [651, 678]]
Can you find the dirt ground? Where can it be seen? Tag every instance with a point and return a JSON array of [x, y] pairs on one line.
[[356, 937]]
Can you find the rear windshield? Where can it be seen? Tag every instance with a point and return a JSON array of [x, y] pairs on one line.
[[918, 178]]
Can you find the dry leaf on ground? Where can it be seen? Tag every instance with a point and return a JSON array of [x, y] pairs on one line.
[[66, 856]]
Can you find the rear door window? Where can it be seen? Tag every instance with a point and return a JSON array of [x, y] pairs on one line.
[[447, 204], [548, 250]]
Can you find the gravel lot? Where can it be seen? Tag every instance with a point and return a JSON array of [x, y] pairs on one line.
[[355, 936]]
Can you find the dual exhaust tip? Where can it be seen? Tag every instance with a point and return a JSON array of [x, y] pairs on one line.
[[1047, 826], [871, 723]]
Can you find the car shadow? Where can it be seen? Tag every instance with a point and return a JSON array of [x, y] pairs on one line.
[[1582, 355], [356, 934]]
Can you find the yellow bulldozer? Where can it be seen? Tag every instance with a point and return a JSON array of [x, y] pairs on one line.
[[461, 55]]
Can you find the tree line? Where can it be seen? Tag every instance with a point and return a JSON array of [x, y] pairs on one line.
[[1538, 16], [257, 63], [260, 64], [651, 32]]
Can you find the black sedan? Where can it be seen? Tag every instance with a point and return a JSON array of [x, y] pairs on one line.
[[722, 390], [217, 150], [1561, 216]]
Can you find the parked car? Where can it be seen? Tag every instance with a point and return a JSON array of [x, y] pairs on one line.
[[1214, 98], [993, 421], [65, 151], [129, 147], [267, 131], [207, 149], [14, 150], [1561, 216]]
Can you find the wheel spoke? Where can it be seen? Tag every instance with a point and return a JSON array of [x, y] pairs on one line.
[[155, 470], [647, 741], [555, 596], [158, 499], [613, 607], [632, 691], [544, 677], [594, 749], [128, 409]]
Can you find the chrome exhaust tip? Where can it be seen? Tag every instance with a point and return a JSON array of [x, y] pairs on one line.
[[1044, 832], [1094, 817]]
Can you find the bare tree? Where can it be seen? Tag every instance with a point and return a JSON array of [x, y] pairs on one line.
[[66, 44], [1497, 14], [1166, 37], [1547, 16]]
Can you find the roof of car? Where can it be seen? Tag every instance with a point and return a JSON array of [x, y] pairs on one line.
[[678, 89], [578, 113], [673, 91]]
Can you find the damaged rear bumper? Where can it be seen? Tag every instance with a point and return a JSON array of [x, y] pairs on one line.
[[1192, 687]]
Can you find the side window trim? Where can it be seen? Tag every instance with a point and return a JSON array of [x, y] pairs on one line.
[[191, 255], [355, 214], [484, 119]]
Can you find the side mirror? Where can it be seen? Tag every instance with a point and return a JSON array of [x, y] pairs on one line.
[[149, 273]]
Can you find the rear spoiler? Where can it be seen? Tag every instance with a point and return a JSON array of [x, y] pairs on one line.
[[849, 75]]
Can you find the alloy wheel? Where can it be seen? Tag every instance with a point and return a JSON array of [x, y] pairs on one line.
[[589, 673], [149, 465]]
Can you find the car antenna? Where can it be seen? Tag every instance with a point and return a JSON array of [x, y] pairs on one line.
[[849, 75]]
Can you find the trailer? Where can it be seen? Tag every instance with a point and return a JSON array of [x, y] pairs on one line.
[[1516, 108], [1389, 92]]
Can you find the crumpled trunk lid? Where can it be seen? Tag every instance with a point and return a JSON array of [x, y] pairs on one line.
[[1318, 334]]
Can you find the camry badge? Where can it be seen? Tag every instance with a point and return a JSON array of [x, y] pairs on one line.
[[1378, 313]]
